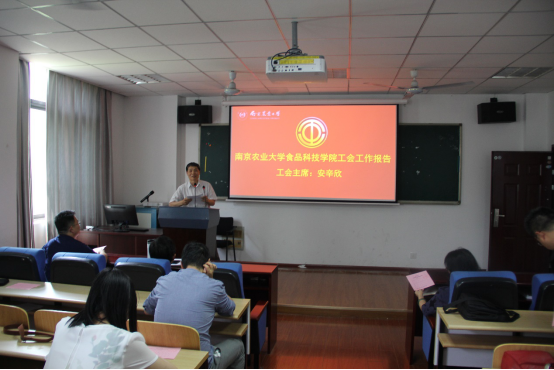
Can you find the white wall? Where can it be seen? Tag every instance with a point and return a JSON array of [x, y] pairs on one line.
[[361, 235], [145, 147], [9, 71]]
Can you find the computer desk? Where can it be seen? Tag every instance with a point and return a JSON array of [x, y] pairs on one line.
[[13, 352]]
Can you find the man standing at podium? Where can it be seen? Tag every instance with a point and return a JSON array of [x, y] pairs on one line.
[[194, 193]]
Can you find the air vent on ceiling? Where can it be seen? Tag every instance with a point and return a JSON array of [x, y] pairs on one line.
[[336, 73], [522, 72], [144, 79]]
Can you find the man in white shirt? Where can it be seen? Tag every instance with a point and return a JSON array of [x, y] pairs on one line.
[[194, 193]]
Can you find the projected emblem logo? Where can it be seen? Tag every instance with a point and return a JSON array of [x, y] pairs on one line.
[[311, 132], [242, 114]]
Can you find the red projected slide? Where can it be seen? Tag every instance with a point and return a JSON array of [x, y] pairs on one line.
[[339, 152]]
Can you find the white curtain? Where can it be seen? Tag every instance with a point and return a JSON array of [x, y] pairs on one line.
[[78, 150], [25, 231]]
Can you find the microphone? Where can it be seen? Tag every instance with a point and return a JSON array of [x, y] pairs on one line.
[[147, 196], [203, 189], [194, 194]]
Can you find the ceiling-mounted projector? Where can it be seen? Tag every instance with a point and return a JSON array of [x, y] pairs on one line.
[[295, 66]]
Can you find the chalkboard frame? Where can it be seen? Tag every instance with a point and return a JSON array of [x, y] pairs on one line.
[[459, 165], [205, 176]]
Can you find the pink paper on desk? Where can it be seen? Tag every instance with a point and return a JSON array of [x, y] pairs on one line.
[[165, 352], [24, 286], [421, 280]]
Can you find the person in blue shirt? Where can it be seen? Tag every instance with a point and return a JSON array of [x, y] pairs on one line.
[[191, 297], [457, 260], [68, 228]]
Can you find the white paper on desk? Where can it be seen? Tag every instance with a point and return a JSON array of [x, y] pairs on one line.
[[420, 280], [99, 249], [198, 198]]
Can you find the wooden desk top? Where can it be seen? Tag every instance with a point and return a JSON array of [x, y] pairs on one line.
[[253, 268], [528, 322], [77, 294]]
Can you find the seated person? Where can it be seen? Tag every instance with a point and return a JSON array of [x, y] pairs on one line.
[[68, 228], [162, 248], [191, 297], [457, 260], [539, 223], [97, 337]]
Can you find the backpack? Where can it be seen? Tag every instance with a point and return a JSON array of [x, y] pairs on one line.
[[477, 309]]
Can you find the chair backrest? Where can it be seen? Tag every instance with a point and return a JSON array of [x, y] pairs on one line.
[[22, 263], [168, 335], [230, 273], [76, 268], [499, 351], [225, 225], [543, 292], [10, 315], [46, 320], [498, 287], [144, 272]]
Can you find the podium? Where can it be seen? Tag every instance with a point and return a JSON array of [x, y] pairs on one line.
[[186, 224]]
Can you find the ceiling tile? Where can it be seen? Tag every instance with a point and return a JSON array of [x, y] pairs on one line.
[[535, 60], [125, 69], [170, 66], [468, 73], [258, 48], [368, 82], [235, 10], [316, 28], [11, 4], [392, 45], [246, 30], [194, 33], [372, 73], [365, 61], [99, 57], [43, 3], [66, 41], [288, 90], [387, 26], [187, 77], [27, 21], [487, 60], [129, 89], [446, 45], [325, 47], [459, 24], [545, 47], [534, 6], [391, 7], [223, 77], [504, 82], [83, 71], [215, 65], [298, 9], [79, 18], [203, 51], [202, 85], [154, 12], [405, 83], [6, 33], [122, 37], [23, 45], [336, 61], [434, 73], [169, 86], [432, 60], [332, 82], [149, 53], [507, 44], [51, 60], [105, 80], [472, 6], [256, 65], [536, 23]]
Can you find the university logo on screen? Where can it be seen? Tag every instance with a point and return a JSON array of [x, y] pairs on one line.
[[311, 132]]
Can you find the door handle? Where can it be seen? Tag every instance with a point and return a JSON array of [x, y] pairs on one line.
[[497, 215]]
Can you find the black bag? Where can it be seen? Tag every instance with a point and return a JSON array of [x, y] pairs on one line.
[[476, 309]]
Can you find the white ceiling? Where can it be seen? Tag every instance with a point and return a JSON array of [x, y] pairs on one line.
[[195, 43]]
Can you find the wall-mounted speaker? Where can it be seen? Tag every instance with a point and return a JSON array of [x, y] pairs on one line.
[[194, 114], [496, 112]]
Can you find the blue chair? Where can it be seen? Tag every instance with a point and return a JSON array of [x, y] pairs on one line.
[[22, 263], [542, 288], [76, 268], [144, 272], [230, 273], [498, 287]]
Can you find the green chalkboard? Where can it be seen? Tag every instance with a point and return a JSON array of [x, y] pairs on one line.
[[429, 158], [214, 157]]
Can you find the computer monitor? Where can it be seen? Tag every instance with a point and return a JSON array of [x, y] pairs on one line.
[[121, 215]]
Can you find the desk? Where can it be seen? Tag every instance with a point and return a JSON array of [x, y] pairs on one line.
[[132, 243], [12, 351], [47, 292], [459, 342]]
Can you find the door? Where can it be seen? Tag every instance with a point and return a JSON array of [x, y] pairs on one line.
[[520, 181]]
